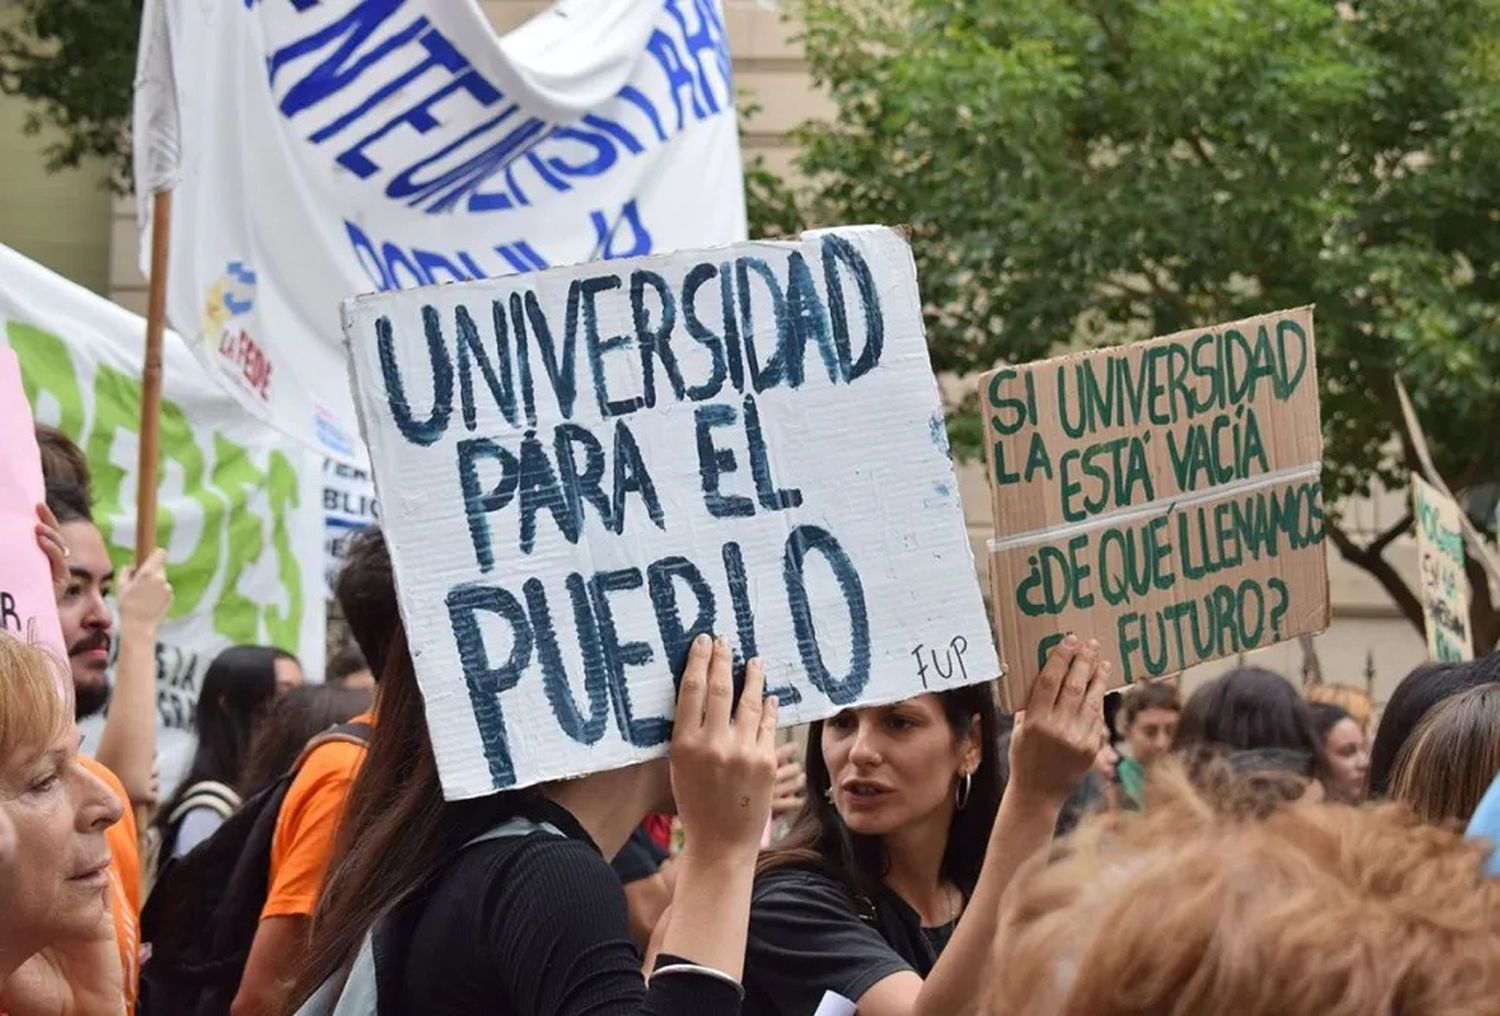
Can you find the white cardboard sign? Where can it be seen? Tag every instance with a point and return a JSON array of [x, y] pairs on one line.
[[1445, 584], [581, 469]]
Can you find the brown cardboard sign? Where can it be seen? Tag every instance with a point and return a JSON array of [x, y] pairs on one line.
[[1163, 497]]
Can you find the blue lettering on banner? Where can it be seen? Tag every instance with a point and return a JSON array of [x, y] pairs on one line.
[[485, 681], [846, 690], [350, 70], [543, 392], [583, 729], [684, 604], [521, 329], [608, 239], [389, 266]]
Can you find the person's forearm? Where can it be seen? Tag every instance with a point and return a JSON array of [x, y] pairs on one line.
[[128, 744], [274, 953], [1022, 828], [710, 912]]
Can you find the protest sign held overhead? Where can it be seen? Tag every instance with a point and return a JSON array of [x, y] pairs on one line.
[[1164, 497], [1445, 585], [580, 470], [28, 603]]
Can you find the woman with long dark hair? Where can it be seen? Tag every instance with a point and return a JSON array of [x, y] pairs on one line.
[[237, 687], [507, 904], [886, 890], [1346, 749]]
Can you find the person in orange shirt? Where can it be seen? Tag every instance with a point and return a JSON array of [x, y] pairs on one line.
[[308, 822], [124, 882]]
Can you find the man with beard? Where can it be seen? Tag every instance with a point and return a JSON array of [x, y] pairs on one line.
[[127, 743]]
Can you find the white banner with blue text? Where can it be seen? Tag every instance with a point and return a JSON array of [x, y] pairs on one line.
[[317, 149]]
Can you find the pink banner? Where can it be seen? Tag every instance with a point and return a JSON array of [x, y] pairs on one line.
[[28, 605]]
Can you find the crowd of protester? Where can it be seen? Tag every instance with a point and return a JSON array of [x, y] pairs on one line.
[[1255, 848]]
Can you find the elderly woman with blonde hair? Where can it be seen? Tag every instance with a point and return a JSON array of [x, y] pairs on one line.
[[57, 949], [1199, 906]]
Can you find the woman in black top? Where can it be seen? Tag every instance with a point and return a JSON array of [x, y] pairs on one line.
[[534, 921], [887, 889]]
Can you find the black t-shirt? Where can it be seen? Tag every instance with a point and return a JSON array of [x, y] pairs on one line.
[[534, 925], [810, 934]]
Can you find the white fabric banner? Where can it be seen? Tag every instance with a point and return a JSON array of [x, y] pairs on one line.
[[240, 507], [345, 146]]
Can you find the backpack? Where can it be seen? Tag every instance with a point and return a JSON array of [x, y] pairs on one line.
[[369, 977], [200, 919], [161, 841]]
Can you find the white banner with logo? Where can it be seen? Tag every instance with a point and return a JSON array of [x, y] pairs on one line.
[[320, 150], [240, 509]]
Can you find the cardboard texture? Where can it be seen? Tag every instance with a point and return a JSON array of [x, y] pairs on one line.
[[746, 440], [1445, 585], [1163, 497], [28, 604], [1479, 546]]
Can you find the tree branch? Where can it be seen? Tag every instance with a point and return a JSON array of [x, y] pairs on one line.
[[1381, 571], [1484, 624], [1196, 143], [1377, 546]]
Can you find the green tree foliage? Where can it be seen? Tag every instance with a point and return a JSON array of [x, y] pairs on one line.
[[75, 60], [1091, 171]]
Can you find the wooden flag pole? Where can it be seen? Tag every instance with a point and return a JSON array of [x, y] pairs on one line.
[[150, 452], [156, 323]]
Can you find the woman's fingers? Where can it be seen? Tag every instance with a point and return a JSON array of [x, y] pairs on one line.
[[1048, 685], [1080, 671], [49, 538], [720, 688], [747, 714], [768, 715], [48, 519], [1093, 699], [693, 688]]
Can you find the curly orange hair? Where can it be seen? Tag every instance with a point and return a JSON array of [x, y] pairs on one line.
[[1314, 910]]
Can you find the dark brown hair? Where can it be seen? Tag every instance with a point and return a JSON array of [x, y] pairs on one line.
[[819, 838], [68, 502], [238, 687], [1249, 708], [62, 459], [294, 718], [397, 831], [348, 660], [1150, 695], [366, 592]]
